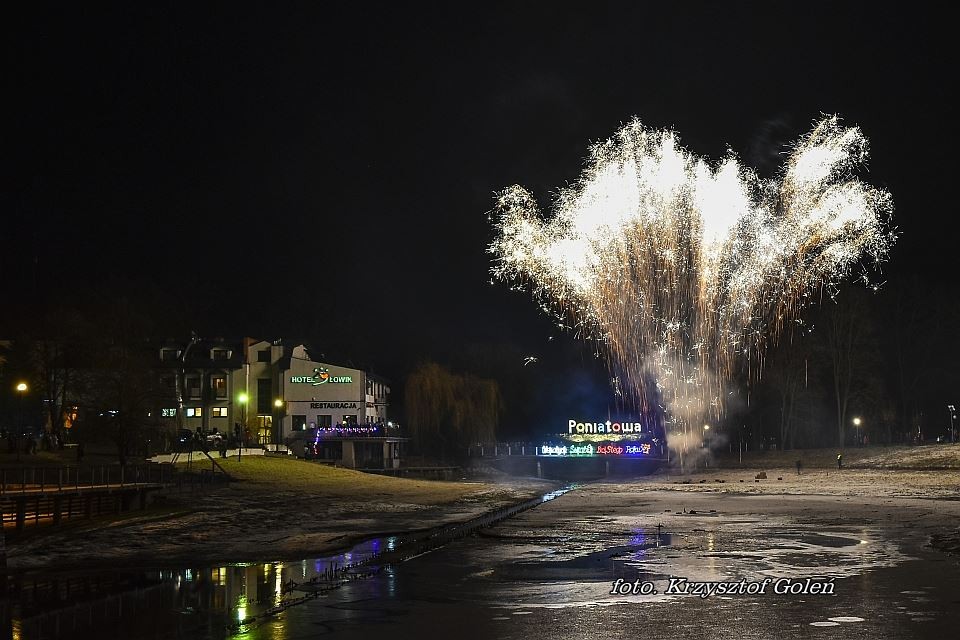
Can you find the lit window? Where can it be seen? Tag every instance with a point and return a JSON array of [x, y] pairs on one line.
[[219, 386], [219, 412], [195, 412]]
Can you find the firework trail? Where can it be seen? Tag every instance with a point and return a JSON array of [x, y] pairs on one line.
[[685, 271]]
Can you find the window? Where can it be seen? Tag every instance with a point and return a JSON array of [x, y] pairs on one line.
[[169, 355], [349, 418], [218, 384], [263, 355], [299, 423], [194, 412], [324, 420], [264, 403], [218, 412], [264, 429], [193, 387], [220, 354]]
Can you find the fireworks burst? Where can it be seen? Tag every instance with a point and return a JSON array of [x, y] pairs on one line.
[[684, 271]]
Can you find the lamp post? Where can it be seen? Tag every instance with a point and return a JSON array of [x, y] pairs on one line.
[[856, 423], [21, 390], [278, 406], [953, 414], [706, 432], [242, 398]]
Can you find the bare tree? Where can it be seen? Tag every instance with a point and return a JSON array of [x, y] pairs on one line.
[[917, 332], [848, 337], [123, 393], [788, 371], [56, 357]]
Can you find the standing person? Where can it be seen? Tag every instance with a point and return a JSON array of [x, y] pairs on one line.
[[799, 465], [839, 461]]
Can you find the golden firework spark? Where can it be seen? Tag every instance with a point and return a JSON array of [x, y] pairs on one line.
[[683, 270]]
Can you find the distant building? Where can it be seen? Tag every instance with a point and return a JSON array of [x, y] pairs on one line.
[[201, 384], [277, 391]]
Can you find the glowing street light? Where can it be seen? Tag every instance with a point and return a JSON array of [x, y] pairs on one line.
[[21, 390], [278, 419], [856, 423], [242, 398]]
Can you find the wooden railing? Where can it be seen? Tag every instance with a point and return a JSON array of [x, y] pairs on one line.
[[30, 480]]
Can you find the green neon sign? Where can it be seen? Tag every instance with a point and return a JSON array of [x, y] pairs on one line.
[[321, 376]]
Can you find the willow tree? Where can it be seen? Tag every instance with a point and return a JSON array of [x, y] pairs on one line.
[[447, 411]]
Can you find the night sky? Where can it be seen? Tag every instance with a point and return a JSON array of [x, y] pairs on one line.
[[325, 174]]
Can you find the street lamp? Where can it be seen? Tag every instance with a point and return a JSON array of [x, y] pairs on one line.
[[703, 444], [21, 390], [278, 405], [243, 422], [856, 423], [953, 415]]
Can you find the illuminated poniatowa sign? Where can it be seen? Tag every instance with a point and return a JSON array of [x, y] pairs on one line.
[[606, 427]]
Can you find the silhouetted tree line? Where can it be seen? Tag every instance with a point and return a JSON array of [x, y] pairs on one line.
[[90, 375], [888, 357]]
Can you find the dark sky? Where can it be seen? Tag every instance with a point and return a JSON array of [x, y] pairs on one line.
[[325, 173]]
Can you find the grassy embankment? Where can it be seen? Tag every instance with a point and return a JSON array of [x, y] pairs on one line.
[[269, 473], [918, 458], [265, 474]]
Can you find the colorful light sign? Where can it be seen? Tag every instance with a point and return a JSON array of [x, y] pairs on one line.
[[601, 449]]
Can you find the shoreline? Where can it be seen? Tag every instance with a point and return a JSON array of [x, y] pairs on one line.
[[262, 520], [55, 550]]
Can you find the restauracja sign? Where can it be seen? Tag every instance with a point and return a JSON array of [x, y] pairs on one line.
[[321, 376]]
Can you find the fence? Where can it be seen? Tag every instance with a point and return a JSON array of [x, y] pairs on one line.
[[31, 495], [29, 480], [499, 449]]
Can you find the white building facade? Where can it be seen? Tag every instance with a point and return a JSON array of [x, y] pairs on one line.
[[320, 394], [273, 392]]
